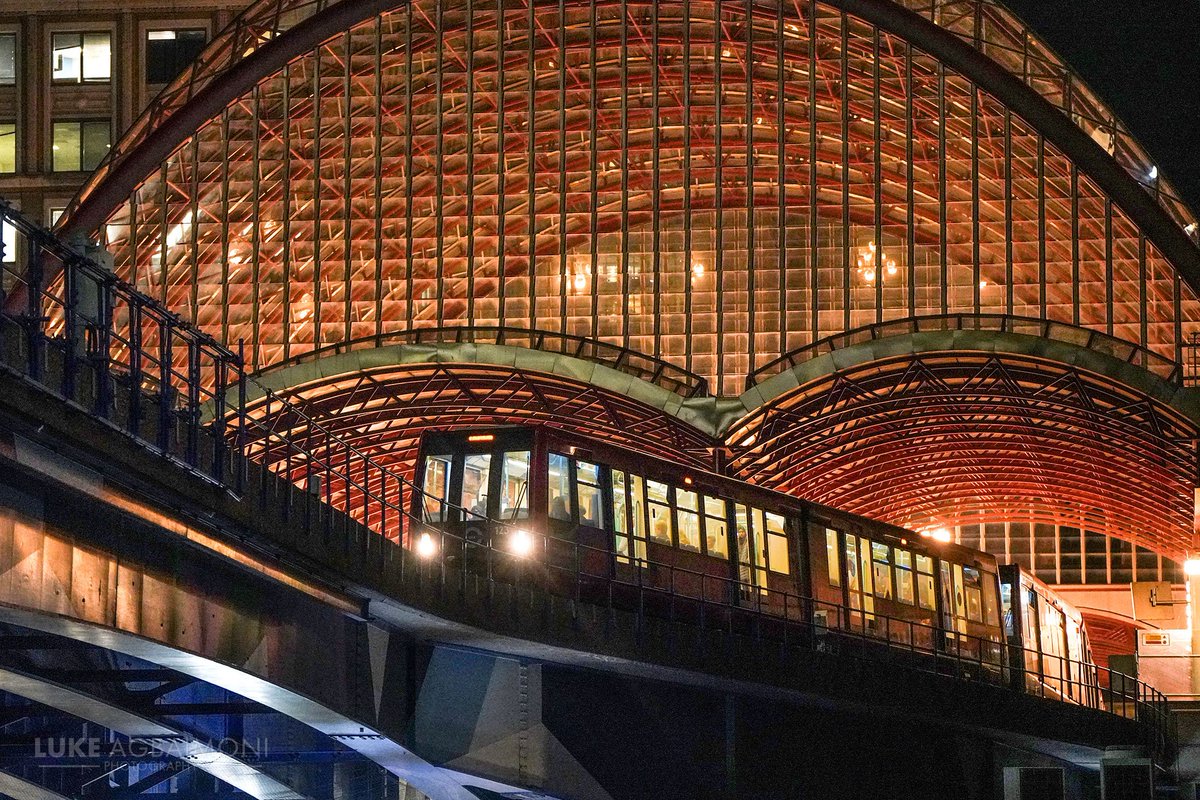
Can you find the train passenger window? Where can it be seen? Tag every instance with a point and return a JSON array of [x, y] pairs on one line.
[[852, 570], [881, 555], [587, 488], [620, 532], [777, 546], [660, 512], [904, 576], [831, 557], [436, 486], [514, 486], [973, 593], [742, 520], [558, 490], [758, 546], [926, 596], [716, 534], [1006, 604], [687, 513], [960, 602], [637, 508], [477, 470], [864, 557], [991, 612]]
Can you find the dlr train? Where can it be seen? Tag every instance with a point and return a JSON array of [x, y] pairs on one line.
[[585, 511]]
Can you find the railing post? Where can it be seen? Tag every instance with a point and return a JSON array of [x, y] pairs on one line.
[[221, 378], [165, 334], [241, 412], [101, 357], [70, 302], [193, 402], [134, 421], [34, 333]]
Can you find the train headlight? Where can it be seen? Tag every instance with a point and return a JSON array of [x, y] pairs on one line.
[[426, 546], [520, 543], [1191, 567]]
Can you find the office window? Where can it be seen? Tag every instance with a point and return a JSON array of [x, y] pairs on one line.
[[79, 145], [8, 59], [8, 245], [168, 53], [81, 58], [8, 147]]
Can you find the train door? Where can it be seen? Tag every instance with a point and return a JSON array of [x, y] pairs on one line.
[[1077, 686], [1054, 650], [860, 590], [1031, 626]]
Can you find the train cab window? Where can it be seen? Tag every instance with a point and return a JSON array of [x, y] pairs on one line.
[[716, 532], [436, 486], [558, 489], [777, 546], [620, 524], [514, 486], [972, 593], [926, 596], [881, 556], [477, 470], [687, 516], [904, 576], [660, 512], [587, 488], [831, 557]]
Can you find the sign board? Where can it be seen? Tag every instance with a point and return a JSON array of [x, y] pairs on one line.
[[1153, 600]]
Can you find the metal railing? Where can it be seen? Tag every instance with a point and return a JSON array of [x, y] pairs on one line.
[[103, 346], [1086, 338]]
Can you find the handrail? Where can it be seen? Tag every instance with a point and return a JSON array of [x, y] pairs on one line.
[[153, 383], [1088, 338], [623, 359]]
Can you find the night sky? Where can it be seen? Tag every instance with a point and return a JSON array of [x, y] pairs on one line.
[[1143, 58]]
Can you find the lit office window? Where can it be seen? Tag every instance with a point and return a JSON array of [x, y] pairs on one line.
[[8, 147], [80, 146], [55, 213], [169, 52], [8, 59], [81, 58]]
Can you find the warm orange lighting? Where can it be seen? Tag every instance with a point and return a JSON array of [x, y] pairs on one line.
[[426, 547], [481, 437], [520, 543], [687, 481]]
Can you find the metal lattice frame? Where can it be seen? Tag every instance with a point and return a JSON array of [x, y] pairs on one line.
[[959, 438], [697, 181], [384, 412]]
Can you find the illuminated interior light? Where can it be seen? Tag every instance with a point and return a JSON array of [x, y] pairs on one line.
[[869, 274], [579, 282], [1191, 567], [687, 481], [520, 543], [891, 268], [426, 547], [940, 534], [1190, 228], [481, 437], [983, 284], [726, 52], [1154, 172], [698, 269]]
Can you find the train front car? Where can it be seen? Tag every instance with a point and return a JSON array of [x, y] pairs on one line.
[[1048, 644]]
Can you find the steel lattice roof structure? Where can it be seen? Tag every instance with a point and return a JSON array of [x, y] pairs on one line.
[[690, 194]]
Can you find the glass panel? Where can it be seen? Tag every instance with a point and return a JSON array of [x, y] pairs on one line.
[[716, 533], [8, 243], [991, 610], [65, 146], [97, 57], [436, 487], [686, 505], [637, 500], [8, 148], [558, 488], [926, 596], [973, 594], [881, 555], [66, 57], [777, 552], [94, 143], [742, 520], [852, 569], [591, 502], [864, 556], [8, 59], [758, 537], [514, 486], [831, 557], [904, 576], [660, 512], [960, 602], [620, 524], [477, 469]]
